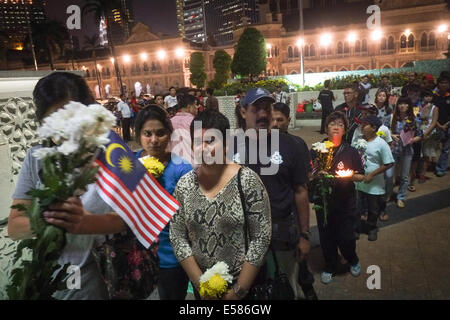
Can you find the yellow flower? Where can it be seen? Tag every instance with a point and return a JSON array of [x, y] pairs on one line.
[[215, 287], [381, 134], [154, 166], [329, 144]]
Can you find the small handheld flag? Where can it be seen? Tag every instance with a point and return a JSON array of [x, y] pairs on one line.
[[127, 187]]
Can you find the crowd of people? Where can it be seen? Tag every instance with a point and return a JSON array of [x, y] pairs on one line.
[[232, 211]]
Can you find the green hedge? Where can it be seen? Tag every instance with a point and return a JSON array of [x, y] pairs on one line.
[[396, 80]]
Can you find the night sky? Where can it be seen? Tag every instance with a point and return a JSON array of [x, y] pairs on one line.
[[160, 15]]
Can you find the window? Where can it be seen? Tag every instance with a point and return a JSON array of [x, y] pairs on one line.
[[432, 40], [146, 67], [424, 40], [364, 45], [358, 46], [403, 42], [326, 70], [343, 69], [312, 51], [411, 41], [290, 54], [306, 51], [384, 44], [340, 48], [346, 48], [296, 52], [391, 44]]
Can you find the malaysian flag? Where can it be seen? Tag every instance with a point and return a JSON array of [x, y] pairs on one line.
[[127, 187]]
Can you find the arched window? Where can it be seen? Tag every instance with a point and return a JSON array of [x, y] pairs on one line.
[[411, 41], [340, 48], [108, 73], [361, 68], [294, 72], [306, 51], [88, 74], [272, 52], [343, 69], [383, 44], [312, 51], [358, 46], [153, 67], [391, 44], [103, 72], [364, 46], [296, 52], [323, 51], [146, 67], [277, 51], [325, 70], [290, 53], [432, 40], [424, 40], [346, 47], [403, 42], [309, 71], [387, 67]]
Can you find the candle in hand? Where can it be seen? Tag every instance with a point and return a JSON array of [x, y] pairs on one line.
[[344, 173]]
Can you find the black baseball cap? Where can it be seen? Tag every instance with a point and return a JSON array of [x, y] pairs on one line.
[[370, 119]]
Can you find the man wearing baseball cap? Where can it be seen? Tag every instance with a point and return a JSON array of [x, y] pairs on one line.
[[377, 158], [286, 187]]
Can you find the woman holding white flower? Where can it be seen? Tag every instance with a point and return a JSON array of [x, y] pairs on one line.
[[336, 229], [209, 226], [153, 129], [80, 216]]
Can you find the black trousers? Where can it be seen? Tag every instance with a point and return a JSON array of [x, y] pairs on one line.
[[337, 234], [325, 114], [172, 284], [374, 206], [126, 122]]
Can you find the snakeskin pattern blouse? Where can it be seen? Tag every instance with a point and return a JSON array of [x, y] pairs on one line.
[[212, 230]]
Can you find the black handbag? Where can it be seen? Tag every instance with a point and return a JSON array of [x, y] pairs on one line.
[[278, 288]]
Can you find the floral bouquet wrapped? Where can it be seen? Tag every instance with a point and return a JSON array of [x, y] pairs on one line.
[[214, 282], [72, 137], [322, 184]]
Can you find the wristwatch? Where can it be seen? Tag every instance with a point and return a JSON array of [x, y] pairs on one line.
[[305, 235], [239, 291]]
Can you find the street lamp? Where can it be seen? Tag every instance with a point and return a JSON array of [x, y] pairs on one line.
[[377, 35], [179, 52], [301, 44], [126, 58], [442, 28], [112, 60], [352, 37], [161, 54], [144, 56], [325, 41]]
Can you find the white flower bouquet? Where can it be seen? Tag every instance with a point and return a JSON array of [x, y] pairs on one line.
[[71, 137], [214, 282]]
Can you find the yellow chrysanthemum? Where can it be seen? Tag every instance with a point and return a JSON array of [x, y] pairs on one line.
[[215, 287], [329, 144], [381, 134], [154, 166]]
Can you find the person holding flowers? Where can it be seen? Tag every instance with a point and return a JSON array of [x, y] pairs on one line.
[[57, 98], [377, 158], [153, 130], [221, 205], [341, 164], [405, 132]]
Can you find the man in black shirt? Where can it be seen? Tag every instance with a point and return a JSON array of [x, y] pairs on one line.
[[442, 100], [280, 121], [351, 110], [326, 98], [286, 185]]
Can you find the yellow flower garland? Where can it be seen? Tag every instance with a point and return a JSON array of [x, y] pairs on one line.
[[154, 166]]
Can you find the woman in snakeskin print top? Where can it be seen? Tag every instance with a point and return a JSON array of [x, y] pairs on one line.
[[209, 225]]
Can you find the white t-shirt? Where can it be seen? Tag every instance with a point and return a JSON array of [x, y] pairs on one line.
[[171, 101], [124, 108]]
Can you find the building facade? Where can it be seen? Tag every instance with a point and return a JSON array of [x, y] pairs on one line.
[[121, 20], [16, 16], [409, 33], [191, 20]]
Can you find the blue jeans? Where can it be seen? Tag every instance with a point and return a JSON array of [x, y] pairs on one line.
[[389, 186], [442, 163], [404, 161]]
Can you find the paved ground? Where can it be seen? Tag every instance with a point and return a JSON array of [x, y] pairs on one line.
[[412, 249]]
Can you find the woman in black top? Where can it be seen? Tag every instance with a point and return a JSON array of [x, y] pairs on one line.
[[338, 232]]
